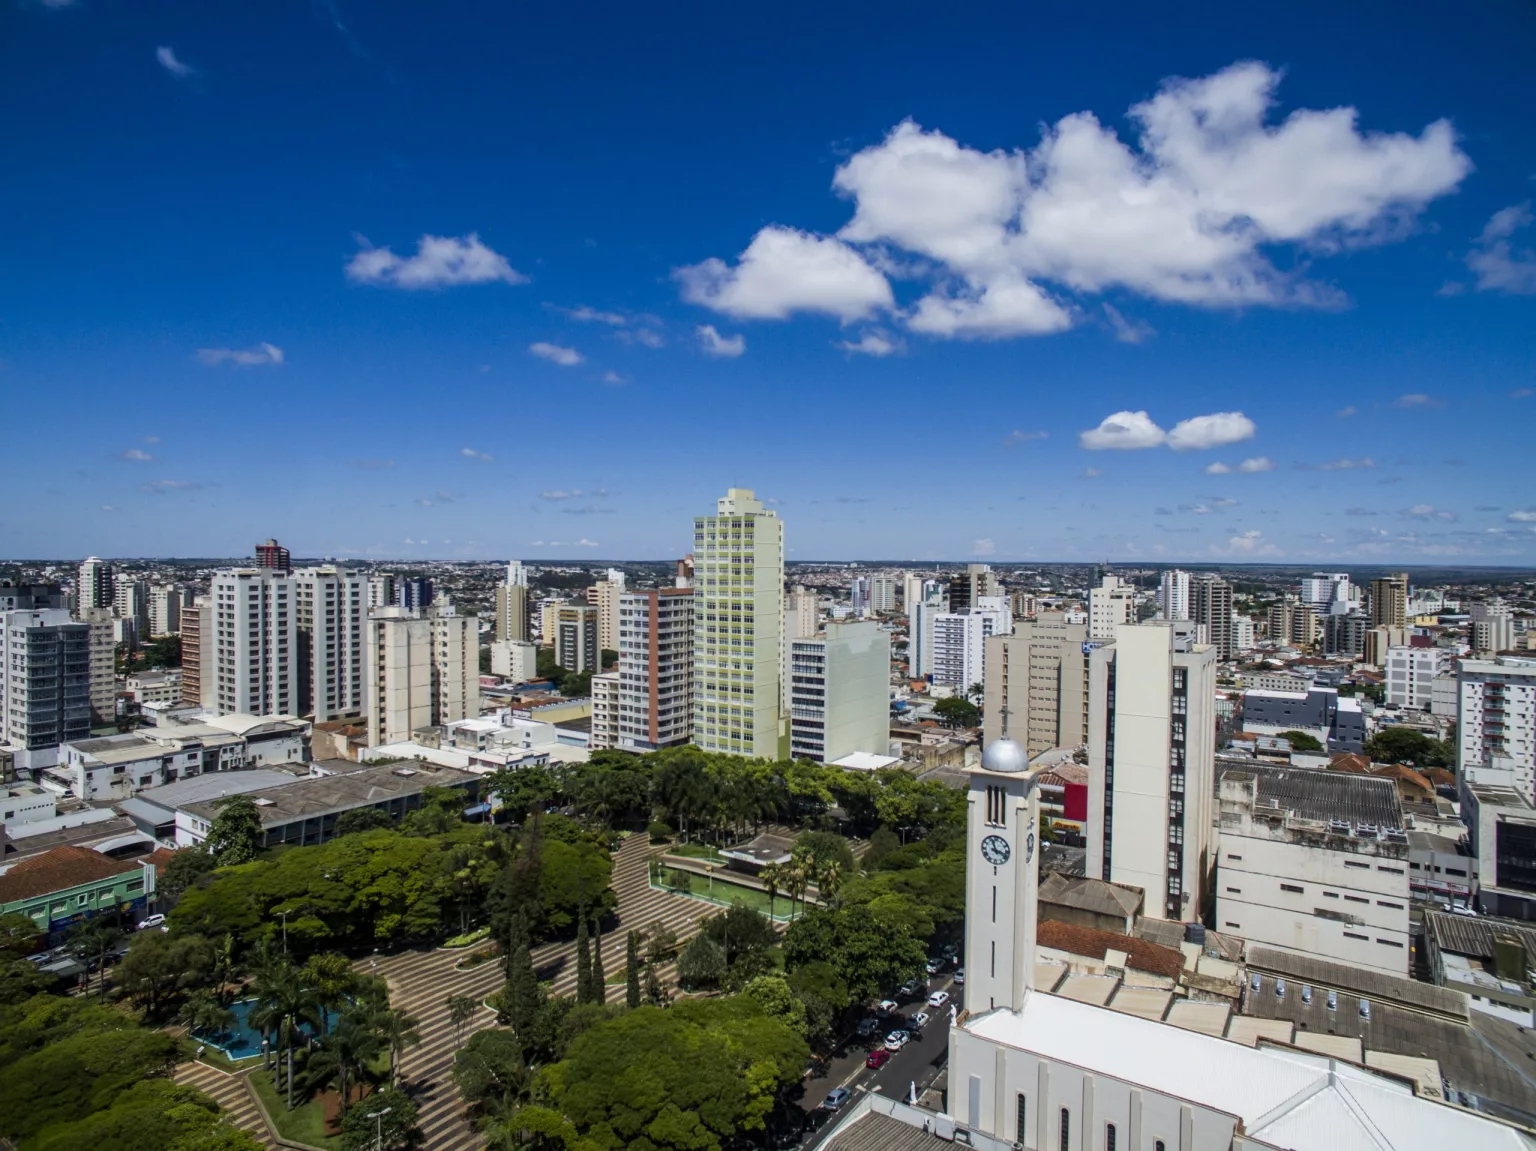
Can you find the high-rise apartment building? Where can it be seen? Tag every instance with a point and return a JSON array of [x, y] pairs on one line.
[[93, 587], [1389, 601], [414, 593], [858, 596], [603, 731], [130, 601], [1151, 765], [684, 575], [514, 659], [423, 671], [1411, 673], [253, 651], [737, 629], [576, 645], [801, 616], [1322, 590], [381, 590], [274, 557], [197, 629], [1211, 600], [882, 593], [548, 613], [512, 605], [911, 589], [1344, 634], [920, 616], [604, 595], [968, 587], [655, 705], [165, 604], [1173, 595], [1037, 685], [331, 607], [103, 649], [1110, 604], [959, 641], [840, 695], [1496, 723], [45, 683], [1492, 628]]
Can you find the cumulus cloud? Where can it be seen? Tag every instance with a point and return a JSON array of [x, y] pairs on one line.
[[714, 344], [874, 342], [472, 454], [1415, 400], [439, 262], [1249, 543], [1256, 464], [137, 454], [171, 64], [1213, 431], [588, 315], [241, 357], [1217, 469], [1189, 211], [647, 338], [983, 547], [1523, 516], [1428, 512], [784, 271], [1500, 267], [555, 354], [613, 379], [1345, 413], [1127, 331], [1125, 431]]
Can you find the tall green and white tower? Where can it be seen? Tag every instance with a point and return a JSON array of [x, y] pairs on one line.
[[738, 599]]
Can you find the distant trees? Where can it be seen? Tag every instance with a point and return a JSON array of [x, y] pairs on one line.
[[1404, 745], [957, 712], [1302, 741]]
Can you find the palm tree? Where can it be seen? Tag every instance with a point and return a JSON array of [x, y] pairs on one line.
[[333, 979], [204, 1013], [828, 876], [285, 1000], [352, 1044], [398, 1030], [772, 876], [461, 1009], [796, 879], [223, 965]]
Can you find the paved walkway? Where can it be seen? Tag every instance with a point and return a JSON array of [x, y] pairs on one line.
[[231, 1093]]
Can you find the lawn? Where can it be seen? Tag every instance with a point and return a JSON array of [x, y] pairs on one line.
[[696, 851], [722, 892], [304, 1124]]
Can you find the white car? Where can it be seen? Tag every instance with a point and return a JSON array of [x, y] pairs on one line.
[[886, 1006], [960, 977], [152, 921], [918, 1021], [896, 1040], [938, 999]]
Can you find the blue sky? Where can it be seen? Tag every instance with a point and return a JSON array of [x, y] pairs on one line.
[[947, 281]]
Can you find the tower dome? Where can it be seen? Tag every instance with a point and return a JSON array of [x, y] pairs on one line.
[[1005, 756]]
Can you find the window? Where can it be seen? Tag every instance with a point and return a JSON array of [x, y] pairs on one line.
[[1389, 870], [1388, 942], [1352, 863], [1157, 1145], [1232, 925], [1023, 1116], [1239, 858], [1352, 935], [1292, 888], [1234, 891], [1109, 1137], [1393, 906], [1066, 1129]]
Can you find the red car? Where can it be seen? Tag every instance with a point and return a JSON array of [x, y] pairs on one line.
[[877, 1058]]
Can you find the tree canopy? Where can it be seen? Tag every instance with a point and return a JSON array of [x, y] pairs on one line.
[[1404, 745]]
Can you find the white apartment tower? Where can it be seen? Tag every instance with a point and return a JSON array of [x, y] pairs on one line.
[[921, 613], [1496, 723], [422, 672], [512, 605], [959, 641], [93, 588], [1493, 628], [1322, 590], [1173, 595], [331, 608], [576, 638], [840, 693], [1110, 604], [603, 731], [655, 673], [801, 617], [911, 589], [165, 603], [858, 596], [45, 683], [882, 593], [130, 599], [253, 651], [1411, 673], [1037, 685], [1151, 765], [738, 594]]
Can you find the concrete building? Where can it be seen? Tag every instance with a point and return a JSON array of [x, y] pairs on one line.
[[1492, 628], [912, 584], [1496, 723], [59, 889], [381, 590], [920, 616], [512, 605], [656, 636], [967, 588], [199, 654], [103, 655], [154, 686], [604, 595], [1411, 674], [882, 593], [840, 695], [1211, 606], [331, 611], [515, 660], [1322, 590], [1381, 640], [737, 628], [576, 638], [130, 602], [1110, 604], [1173, 595], [1151, 763], [45, 684], [1445, 695], [604, 727], [1501, 834], [801, 616], [93, 585], [858, 596], [1487, 960], [1245, 633], [959, 641], [1335, 721], [1389, 601], [1316, 863], [1037, 684], [548, 613], [118, 766], [414, 593], [272, 556], [422, 672], [252, 650], [165, 602], [1344, 635]]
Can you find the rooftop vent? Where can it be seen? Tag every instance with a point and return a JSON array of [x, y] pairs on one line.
[[405, 771]]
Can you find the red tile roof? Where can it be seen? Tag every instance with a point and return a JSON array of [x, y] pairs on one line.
[[1092, 944], [58, 870]]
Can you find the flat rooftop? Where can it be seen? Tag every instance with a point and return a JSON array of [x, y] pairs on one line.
[[118, 749], [321, 795], [1324, 795], [214, 785]]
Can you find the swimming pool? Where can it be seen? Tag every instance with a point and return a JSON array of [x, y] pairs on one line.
[[242, 1041]]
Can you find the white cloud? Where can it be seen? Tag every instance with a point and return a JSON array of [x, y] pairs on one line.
[[983, 547], [875, 342], [1123, 430], [1213, 431], [472, 454], [1344, 465], [1499, 267], [784, 271], [649, 339], [1429, 512], [1091, 473], [1017, 437], [714, 344], [613, 379], [151, 439], [109, 507], [137, 454], [1224, 502], [1523, 516], [1217, 469], [555, 354], [1127, 331], [241, 357], [1256, 464], [168, 61], [1415, 400], [587, 315], [1345, 413], [989, 309], [1249, 543], [439, 262]]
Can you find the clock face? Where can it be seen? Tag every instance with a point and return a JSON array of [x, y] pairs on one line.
[[995, 850]]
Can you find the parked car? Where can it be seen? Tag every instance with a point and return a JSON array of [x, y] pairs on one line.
[[1306, 993], [867, 1027], [960, 976], [918, 1021], [938, 999], [887, 1006], [935, 965], [896, 1040], [836, 1098], [877, 1058], [1333, 1001], [152, 921], [1365, 1010], [910, 989]]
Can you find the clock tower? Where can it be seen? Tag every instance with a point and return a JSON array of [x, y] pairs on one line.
[[1001, 879]]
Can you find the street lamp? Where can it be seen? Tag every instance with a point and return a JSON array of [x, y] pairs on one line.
[[379, 1116]]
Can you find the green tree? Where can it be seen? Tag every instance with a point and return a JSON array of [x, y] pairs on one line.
[[1301, 741], [363, 819], [881, 844], [461, 1009], [824, 995], [395, 1128], [774, 995], [599, 973], [344, 1055], [1404, 745], [491, 1072], [740, 931], [583, 963], [956, 712], [185, 869], [702, 964], [158, 967], [398, 1031], [870, 953], [236, 834], [632, 970]]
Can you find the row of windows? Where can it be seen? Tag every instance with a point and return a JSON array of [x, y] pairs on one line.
[[1064, 1129]]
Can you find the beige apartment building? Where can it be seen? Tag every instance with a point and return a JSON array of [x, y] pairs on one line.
[[1037, 682], [421, 672]]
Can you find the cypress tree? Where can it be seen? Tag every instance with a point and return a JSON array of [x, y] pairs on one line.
[[583, 960], [632, 970], [599, 975], [521, 997]]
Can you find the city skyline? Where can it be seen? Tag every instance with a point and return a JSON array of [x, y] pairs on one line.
[[1188, 292]]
